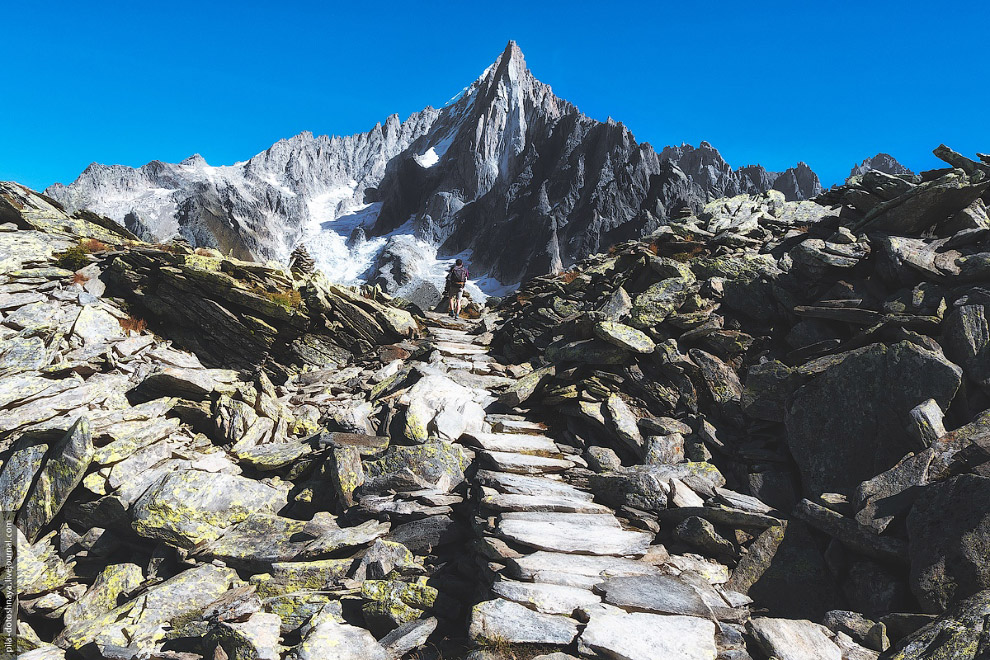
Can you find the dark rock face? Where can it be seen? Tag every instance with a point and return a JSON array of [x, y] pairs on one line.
[[949, 530], [849, 400], [786, 571]]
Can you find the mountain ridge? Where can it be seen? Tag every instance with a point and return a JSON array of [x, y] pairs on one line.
[[505, 163]]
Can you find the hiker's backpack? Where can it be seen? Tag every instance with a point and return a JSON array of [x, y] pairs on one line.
[[458, 275]]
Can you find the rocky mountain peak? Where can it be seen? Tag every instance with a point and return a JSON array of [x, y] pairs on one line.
[[195, 160], [881, 162], [505, 164]]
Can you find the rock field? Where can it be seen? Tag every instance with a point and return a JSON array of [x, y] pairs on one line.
[[761, 432]]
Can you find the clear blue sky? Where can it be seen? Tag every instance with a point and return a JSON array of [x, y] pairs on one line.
[[829, 83]]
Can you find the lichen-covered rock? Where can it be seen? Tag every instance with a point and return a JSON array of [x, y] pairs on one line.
[[436, 464], [102, 596], [623, 336], [139, 621], [659, 301], [341, 641], [190, 506], [64, 468]]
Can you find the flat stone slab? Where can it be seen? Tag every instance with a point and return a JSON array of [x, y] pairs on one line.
[[516, 426], [504, 621], [601, 568], [639, 636], [512, 442], [452, 348], [541, 503], [572, 536], [519, 484], [546, 598], [789, 639], [591, 520], [524, 463], [659, 594]]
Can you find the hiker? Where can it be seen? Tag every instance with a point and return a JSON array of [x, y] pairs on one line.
[[457, 278]]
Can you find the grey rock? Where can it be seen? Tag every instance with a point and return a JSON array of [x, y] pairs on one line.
[[967, 341], [63, 470], [794, 640], [190, 506], [641, 636], [889, 495], [574, 533], [408, 637], [504, 621], [700, 533], [602, 459], [850, 400], [948, 528], [339, 640], [926, 423], [785, 572], [659, 594], [545, 598]]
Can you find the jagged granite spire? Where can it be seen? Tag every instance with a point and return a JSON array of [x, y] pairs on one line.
[[507, 170]]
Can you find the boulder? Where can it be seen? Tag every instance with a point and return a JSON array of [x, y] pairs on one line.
[[847, 424], [959, 633], [621, 335], [949, 533], [63, 470], [187, 507]]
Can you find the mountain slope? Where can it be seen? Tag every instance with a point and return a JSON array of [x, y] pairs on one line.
[[508, 174]]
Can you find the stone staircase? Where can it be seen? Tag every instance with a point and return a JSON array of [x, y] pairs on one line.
[[558, 571]]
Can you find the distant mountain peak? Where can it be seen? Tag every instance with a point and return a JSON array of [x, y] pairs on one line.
[[881, 162], [506, 171]]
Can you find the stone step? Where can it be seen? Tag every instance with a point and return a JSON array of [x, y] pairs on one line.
[[501, 621], [512, 442], [519, 484], [518, 426], [503, 502], [545, 598], [532, 567], [523, 463], [576, 533], [457, 349]]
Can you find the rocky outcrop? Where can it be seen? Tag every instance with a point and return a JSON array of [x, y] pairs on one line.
[[760, 430]]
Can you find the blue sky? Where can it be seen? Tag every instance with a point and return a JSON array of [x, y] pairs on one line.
[[829, 83]]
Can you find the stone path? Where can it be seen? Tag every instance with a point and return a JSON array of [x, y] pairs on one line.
[[549, 554]]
